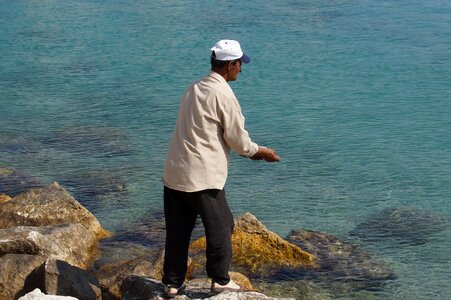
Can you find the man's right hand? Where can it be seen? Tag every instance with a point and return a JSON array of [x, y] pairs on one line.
[[266, 154]]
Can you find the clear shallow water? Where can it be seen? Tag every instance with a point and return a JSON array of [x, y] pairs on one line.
[[354, 95]]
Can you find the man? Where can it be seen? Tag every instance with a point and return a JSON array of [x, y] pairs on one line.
[[209, 124]]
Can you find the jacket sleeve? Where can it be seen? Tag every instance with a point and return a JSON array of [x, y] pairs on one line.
[[235, 135]]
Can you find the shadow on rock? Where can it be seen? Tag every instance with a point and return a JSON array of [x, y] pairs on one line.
[[401, 225]]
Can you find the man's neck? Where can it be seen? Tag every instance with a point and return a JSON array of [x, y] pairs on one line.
[[221, 71]]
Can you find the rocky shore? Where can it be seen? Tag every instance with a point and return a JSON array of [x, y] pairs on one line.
[[51, 245]]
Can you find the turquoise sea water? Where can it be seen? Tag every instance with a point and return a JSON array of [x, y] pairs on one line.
[[354, 95]]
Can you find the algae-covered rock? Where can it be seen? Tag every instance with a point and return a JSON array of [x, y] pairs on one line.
[[257, 251], [49, 205], [401, 225], [72, 243]]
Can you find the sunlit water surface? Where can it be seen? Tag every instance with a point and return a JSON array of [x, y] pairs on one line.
[[354, 95]]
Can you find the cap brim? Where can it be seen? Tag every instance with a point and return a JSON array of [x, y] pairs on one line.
[[245, 59]]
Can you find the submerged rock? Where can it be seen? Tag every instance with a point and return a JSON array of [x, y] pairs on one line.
[[96, 140], [49, 205], [97, 188], [342, 266], [96, 184], [13, 182], [257, 252], [299, 289], [150, 230], [402, 225], [12, 144], [72, 243]]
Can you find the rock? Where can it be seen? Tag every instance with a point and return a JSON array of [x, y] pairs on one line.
[[72, 243], [94, 140], [401, 225], [60, 278], [136, 287], [16, 274], [4, 198], [38, 295], [13, 182], [257, 252], [141, 288], [342, 265], [49, 205], [112, 274]]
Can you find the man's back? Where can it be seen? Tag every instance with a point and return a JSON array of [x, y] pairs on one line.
[[209, 123]]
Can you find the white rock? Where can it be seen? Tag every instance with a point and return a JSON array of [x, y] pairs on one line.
[[38, 295]]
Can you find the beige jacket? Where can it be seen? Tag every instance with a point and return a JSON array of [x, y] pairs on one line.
[[209, 124]]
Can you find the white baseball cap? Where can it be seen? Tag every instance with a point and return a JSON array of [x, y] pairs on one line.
[[229, 50]]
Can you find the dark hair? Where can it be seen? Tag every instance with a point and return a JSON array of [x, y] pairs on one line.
[[219, 63], [216, 63]]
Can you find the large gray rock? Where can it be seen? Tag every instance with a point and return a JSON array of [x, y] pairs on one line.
[[72, 243], [49, 205], [401, 225], [17, 276], [142, 288], [61, 278], [343, 266]]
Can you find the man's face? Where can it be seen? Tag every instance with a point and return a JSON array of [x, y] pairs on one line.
[[234, 70]]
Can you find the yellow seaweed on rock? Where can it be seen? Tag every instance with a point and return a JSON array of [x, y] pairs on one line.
[[258, 250], [4, 198]]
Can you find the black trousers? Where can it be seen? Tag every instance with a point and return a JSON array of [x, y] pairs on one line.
[[181, 210]]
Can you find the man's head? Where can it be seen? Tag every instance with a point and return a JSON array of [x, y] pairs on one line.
[[227, 58]]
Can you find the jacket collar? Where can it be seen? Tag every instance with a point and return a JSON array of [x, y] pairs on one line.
[[218, 77]]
